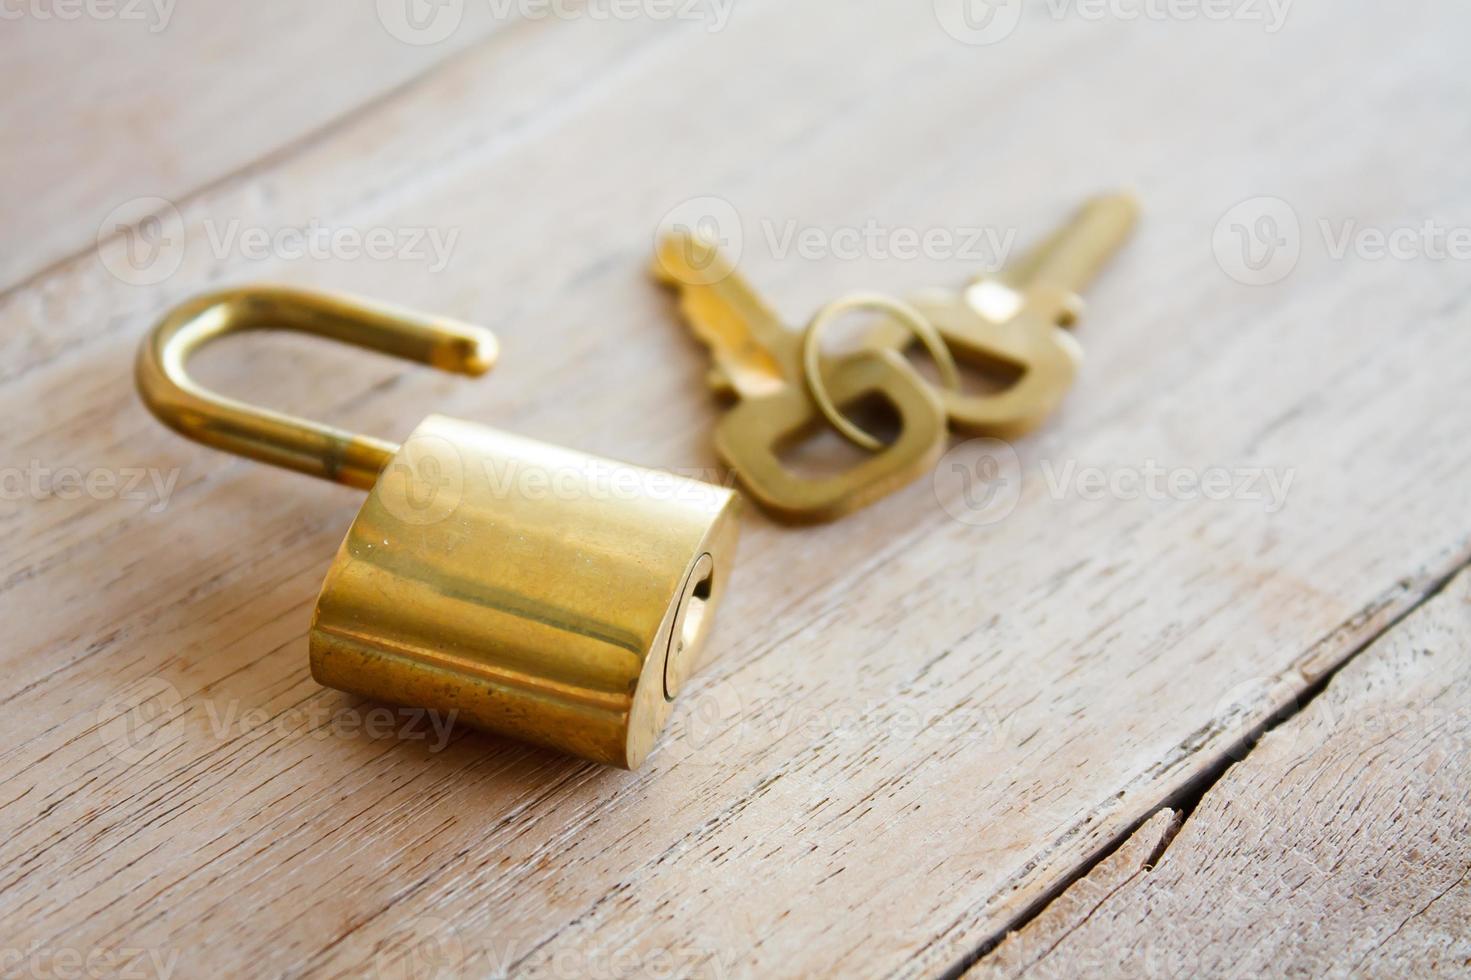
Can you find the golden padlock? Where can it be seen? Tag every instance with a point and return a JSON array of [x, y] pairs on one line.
[[533, 591]]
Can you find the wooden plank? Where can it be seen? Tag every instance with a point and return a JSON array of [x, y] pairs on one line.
[[1031, 947], [1340, 846], [912, 728], [155, 99]]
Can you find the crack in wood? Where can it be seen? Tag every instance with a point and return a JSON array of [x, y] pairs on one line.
[[1187, 798]]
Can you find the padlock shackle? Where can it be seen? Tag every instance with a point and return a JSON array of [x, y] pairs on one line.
[[274, 437]]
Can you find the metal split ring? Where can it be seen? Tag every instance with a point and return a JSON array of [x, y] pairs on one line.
[[876, 302]]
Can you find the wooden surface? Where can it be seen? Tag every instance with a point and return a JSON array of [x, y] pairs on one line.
[[912, 732], [1336, 848]]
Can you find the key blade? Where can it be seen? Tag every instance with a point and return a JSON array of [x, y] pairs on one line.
[[1073, 255], [754, 353]]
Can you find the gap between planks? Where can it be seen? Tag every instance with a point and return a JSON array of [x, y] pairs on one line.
[[1158, 829]]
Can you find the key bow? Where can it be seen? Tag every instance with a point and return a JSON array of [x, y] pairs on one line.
[[759, 364]]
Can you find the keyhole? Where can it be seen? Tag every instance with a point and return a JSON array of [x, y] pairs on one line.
[[689, 625]]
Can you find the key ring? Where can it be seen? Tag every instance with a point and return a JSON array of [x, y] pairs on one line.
[[900, 311]]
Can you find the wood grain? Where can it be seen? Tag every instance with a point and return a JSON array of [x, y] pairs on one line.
[[160, 99], [1031, 947], [1338, 847], [911, 729]]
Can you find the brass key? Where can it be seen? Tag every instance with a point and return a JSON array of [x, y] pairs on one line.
[[1015, 321], [758, 362]]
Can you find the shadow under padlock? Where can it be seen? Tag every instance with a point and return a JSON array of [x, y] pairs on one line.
[[533, 591]]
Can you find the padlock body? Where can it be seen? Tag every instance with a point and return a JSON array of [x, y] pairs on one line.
[[529, 590]]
